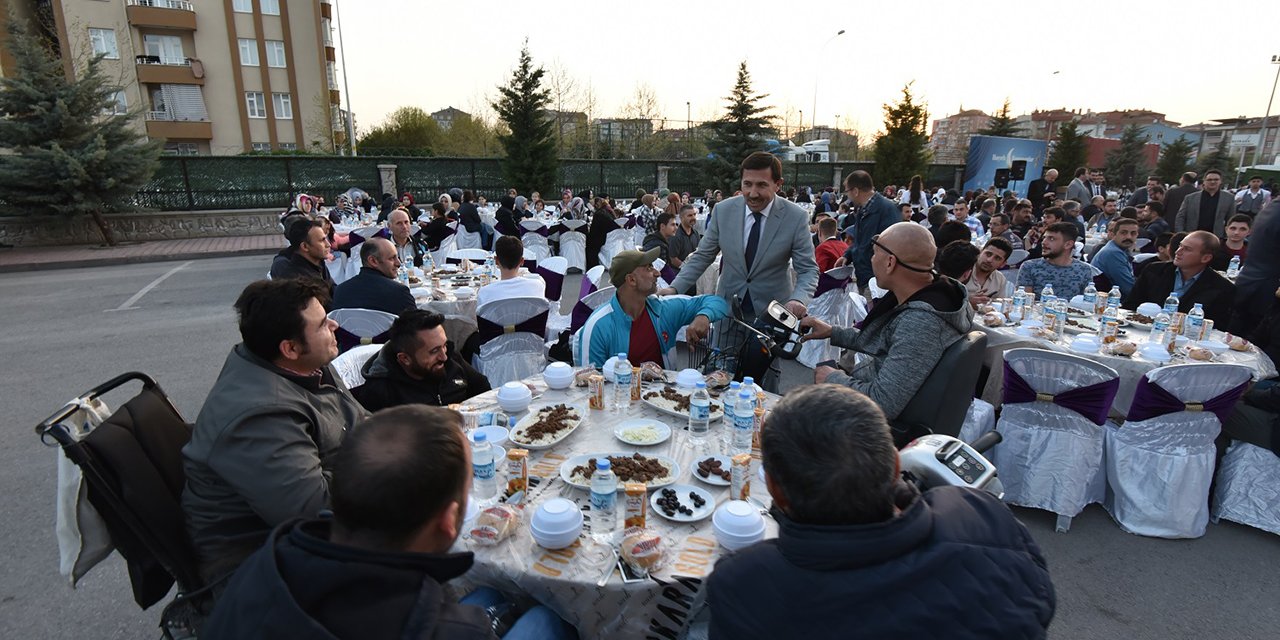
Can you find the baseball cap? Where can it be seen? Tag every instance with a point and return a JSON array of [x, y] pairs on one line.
[[627, 261]]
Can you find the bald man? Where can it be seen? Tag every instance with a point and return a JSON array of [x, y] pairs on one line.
[[409, 243], [375, 287], [907, 329]]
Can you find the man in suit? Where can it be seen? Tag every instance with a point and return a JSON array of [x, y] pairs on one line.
[[1206, 209], [1189, 277], [1173, 197], [375, 287], [1143, 194], [1097, 182], [1079, 189], [1039, 187]]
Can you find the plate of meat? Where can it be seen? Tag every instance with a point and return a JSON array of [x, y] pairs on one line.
[[547, 426]]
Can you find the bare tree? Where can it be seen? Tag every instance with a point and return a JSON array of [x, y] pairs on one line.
[[564, 94]]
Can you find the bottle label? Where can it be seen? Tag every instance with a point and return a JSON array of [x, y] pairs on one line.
[[700, 411], [604, 502], [483, 471], [624, 381]]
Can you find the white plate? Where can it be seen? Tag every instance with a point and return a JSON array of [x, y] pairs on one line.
[[515, 437], [662, 428], [1216, 347], [1155, 355], [567, 467], [725, 463], [661, 405], [682, 493]]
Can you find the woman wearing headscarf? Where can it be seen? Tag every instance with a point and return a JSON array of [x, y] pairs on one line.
[[406, 201], [521, 209], [601, 224], [388, 205], [506, 224]]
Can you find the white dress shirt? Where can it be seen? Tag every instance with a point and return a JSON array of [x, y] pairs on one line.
[[749, 220]]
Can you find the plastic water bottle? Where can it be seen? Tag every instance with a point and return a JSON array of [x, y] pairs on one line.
[[403, 275], [1060, 315], [749, 385], [484, 475], [488, 265], [1195, 323], [699, 414], [1091, 296], [1233, 267], [622, 383], [1171, 305], [1046, 294], [1113, 297], [1019, 305], [1160, 328], [604, 501], [744, 418]]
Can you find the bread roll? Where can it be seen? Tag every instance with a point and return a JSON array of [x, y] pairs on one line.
[[642, 550]]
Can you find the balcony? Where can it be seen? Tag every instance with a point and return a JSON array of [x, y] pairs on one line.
[[162, 124], [164, 14], [159, 70]]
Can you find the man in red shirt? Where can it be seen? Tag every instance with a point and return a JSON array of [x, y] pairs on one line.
[[831, 248]]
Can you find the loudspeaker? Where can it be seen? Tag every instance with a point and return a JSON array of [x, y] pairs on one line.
[[1019, 170], [1002, 178]]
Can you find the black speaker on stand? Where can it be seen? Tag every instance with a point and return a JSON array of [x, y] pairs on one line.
[[1002, 178], [1018, 171]]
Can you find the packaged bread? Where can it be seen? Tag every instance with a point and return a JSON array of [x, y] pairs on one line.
[[993, 319], [582, 376], [1200, 353], [641, 550], [652, 371], [718, 379], [1237, 343], [1122, 348], [495, 523]]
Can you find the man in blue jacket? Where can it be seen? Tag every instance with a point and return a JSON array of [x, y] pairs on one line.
[[375, 287], [862, 554], [873, 213], [638, 322]]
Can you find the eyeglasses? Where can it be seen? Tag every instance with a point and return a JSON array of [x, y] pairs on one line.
[[875, 240]]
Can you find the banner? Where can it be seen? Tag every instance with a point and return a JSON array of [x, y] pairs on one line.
[[988, 153]]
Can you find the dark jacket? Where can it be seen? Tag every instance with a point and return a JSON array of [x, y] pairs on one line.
[[1153, 231], [601, 224], [1173, 200], [954, 564], [1214, 292], [506, 221], [297, 266], [469, 217], [656, 240], [302, 585], [879, 214], [387, 385], [435, 232], [369, 289]]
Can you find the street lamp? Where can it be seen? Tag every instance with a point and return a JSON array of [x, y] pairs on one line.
[[813, 115], [1262, 137], [688, 127]]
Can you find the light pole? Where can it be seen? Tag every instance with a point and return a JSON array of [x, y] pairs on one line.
[[1262, 137], [688, 127], [813, 115], [346, 89]]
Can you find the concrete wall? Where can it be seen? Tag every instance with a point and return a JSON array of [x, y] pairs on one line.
[[34, 231]]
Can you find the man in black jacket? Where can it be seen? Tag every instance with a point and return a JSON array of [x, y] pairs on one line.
[[862, 554], [418, 365], [1190, 278], [308, 251], [375, 287], [1038, 188], [1173, 198]]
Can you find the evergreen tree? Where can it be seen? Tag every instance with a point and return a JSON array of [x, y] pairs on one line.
[[1069, 151], [1219, 158], [902, 150], [1002, 124], [1175, 159], [740, 132], [1126, 163], [65, 151], [530, 143], [407, 131]]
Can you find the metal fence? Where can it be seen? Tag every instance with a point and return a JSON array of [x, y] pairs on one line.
[[252, 182]]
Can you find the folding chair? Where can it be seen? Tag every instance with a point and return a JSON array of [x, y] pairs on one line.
[[1248, 488], [615, 242], [591, 281], [474, 255], [534, 237]]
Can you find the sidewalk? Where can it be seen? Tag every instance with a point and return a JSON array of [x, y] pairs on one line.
[[39, 258]]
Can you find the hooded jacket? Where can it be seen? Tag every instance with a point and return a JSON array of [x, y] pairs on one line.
[[302, 585], [387, 385], [904, 342], [297, 266]]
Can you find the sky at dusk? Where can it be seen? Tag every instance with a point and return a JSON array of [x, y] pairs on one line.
[[1193, 61]]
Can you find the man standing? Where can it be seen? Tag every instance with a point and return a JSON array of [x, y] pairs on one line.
[[1151, 217], [1143, 194], [310, 251], [1256, 284], [919, 303], [375, 287], [664, 230], [1189, 278], [985, 281], [418, 365], [873, 214], [685, 241], [1041, 186], [1251, 201], [1113, 259], [1097, 183], [409, 246], [1079, 188], [1206, 209], [260, 451], [1173, 197], [1067, 275]]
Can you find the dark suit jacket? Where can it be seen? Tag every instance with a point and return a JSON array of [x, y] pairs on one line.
[[1188, 216], [1173, 200], [1035, 192], [298, 266], [1214, 292], [372, 290]]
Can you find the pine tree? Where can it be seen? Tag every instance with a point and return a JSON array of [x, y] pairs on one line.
[[530, 143], [1175, 159], [1002, 124], [1219, 158], [740, 132], [901, 151], [1126, 162], [1069, 151], [65, 152]]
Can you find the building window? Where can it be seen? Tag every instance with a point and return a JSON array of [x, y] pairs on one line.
[[270, 7], [182, 149], [288, 146], [167, 48], [332, 74], [119, 104], [257, 104], [248, 52], [242, 6], [283, 104], [261, 146], [104, 43], [275, 53]]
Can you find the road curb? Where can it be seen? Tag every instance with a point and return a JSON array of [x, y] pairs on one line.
[[118, 260]]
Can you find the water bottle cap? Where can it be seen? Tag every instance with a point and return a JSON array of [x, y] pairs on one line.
[[622, 356], [744, 394], [701, 385], [748, 380], [735, 384], [480, 437], [602, 464]]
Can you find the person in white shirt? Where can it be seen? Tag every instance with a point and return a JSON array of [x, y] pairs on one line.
[[508, 253], [1251, 201]]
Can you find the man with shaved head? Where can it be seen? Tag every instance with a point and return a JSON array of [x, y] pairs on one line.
[[907, 329], [375, 287]]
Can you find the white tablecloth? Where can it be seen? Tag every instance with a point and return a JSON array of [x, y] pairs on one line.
[[459, 315]]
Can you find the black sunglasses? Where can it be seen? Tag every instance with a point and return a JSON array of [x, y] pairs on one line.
[[875, 240]]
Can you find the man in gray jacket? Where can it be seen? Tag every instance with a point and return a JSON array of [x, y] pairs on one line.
[[262, 443], [908, 328]]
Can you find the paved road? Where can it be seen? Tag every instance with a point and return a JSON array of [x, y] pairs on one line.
[[65, 331]]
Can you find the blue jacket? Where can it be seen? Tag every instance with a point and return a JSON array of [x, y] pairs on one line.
[[372, 290], [1116, 265], [954, 564], [879, 214], [608, 331]]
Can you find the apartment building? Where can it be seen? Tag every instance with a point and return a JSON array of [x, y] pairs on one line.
[[212, 77], [949, 137]]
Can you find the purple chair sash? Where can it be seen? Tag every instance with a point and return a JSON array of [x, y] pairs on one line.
[[348, 340], [557, 230], [1092, 402], [668, 273], [555, 283], [530, 264], [588, 287], [489, 330], [1150, 400], [542, 231], [579, 315], [828, 283], [629, 223]]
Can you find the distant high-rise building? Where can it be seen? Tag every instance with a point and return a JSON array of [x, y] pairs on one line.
[[949, 139]]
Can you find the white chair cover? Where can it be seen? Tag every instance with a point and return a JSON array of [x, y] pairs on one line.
[[592, 302], [531, 225], [573, 244], [1051, 457], [467, 239], [352, 268], [874, 288], [1159, 470], [364, 324], [447, 246], [592, 280], [1017, 256], [349, 364], [1248, 489], [979, 419], [475, 255], [638, 233], [617, 241], [835, 308], [367, 232], [1141, 243], [1143, 257], [536, 244], [337, 267], [516, 355]]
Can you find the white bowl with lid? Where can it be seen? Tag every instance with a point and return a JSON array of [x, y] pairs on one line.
[[737, 524], [558, 375], [514, 397]]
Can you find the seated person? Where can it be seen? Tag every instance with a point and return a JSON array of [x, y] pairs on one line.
[[1114, 260], [1100, 213], [830, 247], [919, 303], [985, 281], [862, 554], [1254, 418], [662, 233], [1235, 242], [375, 287], [307, 254], [949, 232], [956, 260], [1189, 277], [408, 243], [377, 568], [1151, 217], [418, 365], [508, 254], [1031, 242], [260, 451], [1067, 275], [434, 232], [640, 323], [1001, 228]]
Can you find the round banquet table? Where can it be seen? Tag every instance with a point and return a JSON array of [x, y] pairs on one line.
[[567, 580], [459, 313], [1131, 368]]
